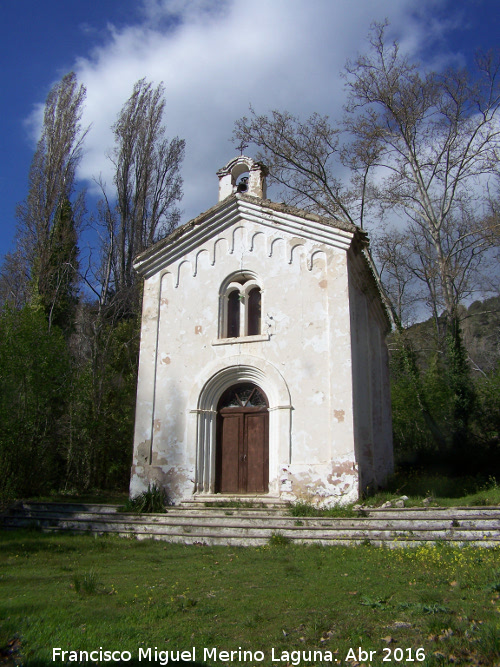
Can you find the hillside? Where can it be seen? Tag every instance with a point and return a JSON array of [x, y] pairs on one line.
[[481, 327], [481, 332]]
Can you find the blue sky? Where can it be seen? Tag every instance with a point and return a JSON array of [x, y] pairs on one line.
[[215, 57]]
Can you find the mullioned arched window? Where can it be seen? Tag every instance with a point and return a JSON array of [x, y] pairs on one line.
[[241, 307]]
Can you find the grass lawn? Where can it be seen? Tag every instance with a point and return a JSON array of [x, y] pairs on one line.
[[85, 592]]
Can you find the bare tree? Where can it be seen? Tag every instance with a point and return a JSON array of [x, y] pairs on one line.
[[409, 266], [490, 225], [304, 157], [437, 139], [420, 146], [148, 187], [393, 253], [51, 179]]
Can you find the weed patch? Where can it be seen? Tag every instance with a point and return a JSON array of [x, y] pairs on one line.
[[85, 584], [277, 539], [303, 509], [374, 603], [154, 500]]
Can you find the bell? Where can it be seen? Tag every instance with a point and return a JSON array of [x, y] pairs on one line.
[[243, 184]]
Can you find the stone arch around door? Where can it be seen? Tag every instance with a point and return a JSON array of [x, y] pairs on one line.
[[242, 446], [203, 425]]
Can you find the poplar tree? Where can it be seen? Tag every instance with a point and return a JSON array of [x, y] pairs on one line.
[[51, 210], [148, 188]]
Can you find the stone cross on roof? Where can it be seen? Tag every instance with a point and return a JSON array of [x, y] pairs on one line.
[[242, 147]]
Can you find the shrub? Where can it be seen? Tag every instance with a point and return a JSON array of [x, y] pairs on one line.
[[154, 499]]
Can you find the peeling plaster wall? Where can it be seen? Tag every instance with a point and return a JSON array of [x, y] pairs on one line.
[[306, 342]]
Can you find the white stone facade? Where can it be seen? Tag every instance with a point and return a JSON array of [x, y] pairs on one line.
[[317, 352]]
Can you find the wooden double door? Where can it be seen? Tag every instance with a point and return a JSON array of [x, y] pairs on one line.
[[242, 455]]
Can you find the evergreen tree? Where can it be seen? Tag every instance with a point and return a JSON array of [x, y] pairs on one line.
[[51, 188], [56, 286]]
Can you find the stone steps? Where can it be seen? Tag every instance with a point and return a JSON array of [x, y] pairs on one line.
[[197, 523]]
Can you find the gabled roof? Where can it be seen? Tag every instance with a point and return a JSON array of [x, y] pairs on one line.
[[262, 211], [336, 233]]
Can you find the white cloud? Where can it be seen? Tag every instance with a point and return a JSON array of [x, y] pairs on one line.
[[215, 58]]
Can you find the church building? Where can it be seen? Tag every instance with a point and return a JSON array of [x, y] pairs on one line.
[[263, 366]]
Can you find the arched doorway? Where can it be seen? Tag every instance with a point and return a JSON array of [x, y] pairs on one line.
[[242, 449]]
